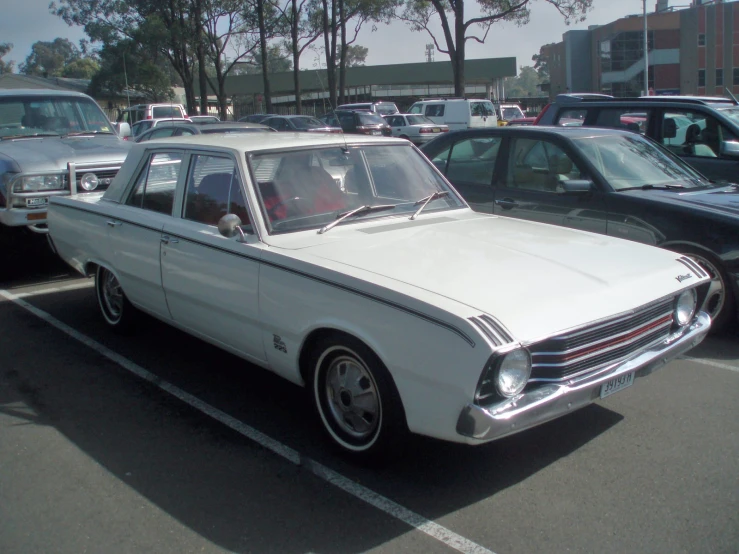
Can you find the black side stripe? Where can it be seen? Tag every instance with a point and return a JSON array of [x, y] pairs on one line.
[[449, 327]]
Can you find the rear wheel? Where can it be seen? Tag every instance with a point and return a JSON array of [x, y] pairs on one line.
[[115, 308], [356, 399], [719, 302]]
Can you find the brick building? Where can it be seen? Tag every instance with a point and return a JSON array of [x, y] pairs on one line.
[[692, 50]]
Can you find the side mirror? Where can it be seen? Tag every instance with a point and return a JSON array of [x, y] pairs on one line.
[[669, 129], [230, 226], [730, 149], [123, 128], [577, 186]]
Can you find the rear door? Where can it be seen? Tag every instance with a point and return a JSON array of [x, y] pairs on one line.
[[531, 186], [481, 114]]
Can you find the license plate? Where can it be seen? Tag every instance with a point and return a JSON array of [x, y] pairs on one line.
[[616, 384], [36, 202], [436, 130]]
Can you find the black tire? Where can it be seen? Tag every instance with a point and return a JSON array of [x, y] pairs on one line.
[[720, 302], [117, 311], [372, 431]]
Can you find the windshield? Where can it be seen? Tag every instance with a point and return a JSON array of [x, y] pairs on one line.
[[512, 113], [386, 108], [418, 120], [34, 115], [732, 113], [309, 189], [307, 123], [628, 161]]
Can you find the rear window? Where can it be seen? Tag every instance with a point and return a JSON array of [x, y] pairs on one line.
[[386, 108], [370, 119], [166, 111], [482, 109]]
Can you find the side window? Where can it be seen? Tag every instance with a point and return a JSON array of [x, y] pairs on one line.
[[155, 186], [623, 118], [163, 132], [434, 110], [689, 133], [571, 117], [214, 190], [184, 133], [473, 160], [416, 108], [539, 166]]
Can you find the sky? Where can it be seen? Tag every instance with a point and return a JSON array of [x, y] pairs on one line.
[[27, 21]]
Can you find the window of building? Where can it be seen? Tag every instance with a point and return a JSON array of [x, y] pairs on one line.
[[701, 77], [624, 50], [736, 75], [701, 39], [719, 77]]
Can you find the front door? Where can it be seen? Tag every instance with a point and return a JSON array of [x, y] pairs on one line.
[[532, 187], [212, 282]]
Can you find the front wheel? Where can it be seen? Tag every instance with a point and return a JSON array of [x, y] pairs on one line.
[[719, 301], [356, 399], [115, 308]]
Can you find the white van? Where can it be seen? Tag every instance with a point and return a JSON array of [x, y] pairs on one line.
[[457, 113], [380, 108]]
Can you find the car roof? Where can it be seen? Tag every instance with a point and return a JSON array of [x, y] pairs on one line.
[[569, 132], [592, 99], [41, 92]]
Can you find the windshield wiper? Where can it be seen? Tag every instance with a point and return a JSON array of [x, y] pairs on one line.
[[653, 187], [356, 211], [426, 200], [81, 133], [33, 135]]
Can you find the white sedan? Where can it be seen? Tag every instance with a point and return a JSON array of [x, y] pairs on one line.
[[418, 129], [350, 266]]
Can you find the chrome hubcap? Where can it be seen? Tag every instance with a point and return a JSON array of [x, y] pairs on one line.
[[716, 296], [352, 396], [112, 295]]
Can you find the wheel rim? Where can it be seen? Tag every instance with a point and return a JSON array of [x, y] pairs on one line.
[[352, 398], [716, 295], [112, 296]]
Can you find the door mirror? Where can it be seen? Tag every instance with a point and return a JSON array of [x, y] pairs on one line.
[[669, 129], [730, 149], [577, 186], [123, 128], [230, 226]]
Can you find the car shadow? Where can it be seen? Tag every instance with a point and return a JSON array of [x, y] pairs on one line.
[[29, 260], [214, 480]]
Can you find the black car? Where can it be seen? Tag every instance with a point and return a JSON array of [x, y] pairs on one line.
[[174, 129], [606, 181], [255, 118], [358, 122], [299, 123], [704, 131]]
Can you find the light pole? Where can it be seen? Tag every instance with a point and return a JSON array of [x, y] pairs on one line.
[[646, 53]]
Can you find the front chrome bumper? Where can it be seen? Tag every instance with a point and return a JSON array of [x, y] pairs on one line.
[[551, 401]]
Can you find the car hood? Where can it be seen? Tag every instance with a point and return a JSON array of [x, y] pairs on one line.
[[536, 279], [44, 154], [722, 199]]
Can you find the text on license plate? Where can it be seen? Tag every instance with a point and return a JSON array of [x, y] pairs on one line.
[[32, 202], [436, 130], [616, 384], [376, 132]]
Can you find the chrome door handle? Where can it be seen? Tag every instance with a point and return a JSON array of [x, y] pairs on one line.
[[166, 239], [506, 203], [112, 223]]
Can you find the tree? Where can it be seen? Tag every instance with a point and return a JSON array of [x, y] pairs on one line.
[[419, 15], [5, 67], [277, 61], [356, 55], [541, 61], [82, 68], [525, 84], [48, 59]]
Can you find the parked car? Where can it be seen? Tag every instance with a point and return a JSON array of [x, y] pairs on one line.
[[418, 129], [357, 122], [299, 123], [703, 131], [394, 304], [174, 129], [132, 115], [508, 112], [144, 125], [457, 113], [205, 119], [605, 181], [256, 118], [52, 143], [380, 108], [522, 121]]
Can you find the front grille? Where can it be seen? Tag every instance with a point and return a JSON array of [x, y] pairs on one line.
[[595, 347]]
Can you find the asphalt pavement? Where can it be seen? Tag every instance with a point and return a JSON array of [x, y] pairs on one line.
[[158, 442]]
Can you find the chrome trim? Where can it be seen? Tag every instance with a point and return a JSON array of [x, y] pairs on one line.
[[492, 329], [547, 402], [72, 178], [693, 266]]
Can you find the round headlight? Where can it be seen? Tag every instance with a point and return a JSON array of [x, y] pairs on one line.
[[685, 307], [514, 372], [89, 181]]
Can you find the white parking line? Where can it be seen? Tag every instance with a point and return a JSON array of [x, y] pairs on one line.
[[710, 363], [76, 286], [393, 509]]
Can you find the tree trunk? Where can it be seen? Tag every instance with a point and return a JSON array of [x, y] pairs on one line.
[[342, 58], [265, 65], [329, 39], [458, 55], [296, 57], [200, 53]]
